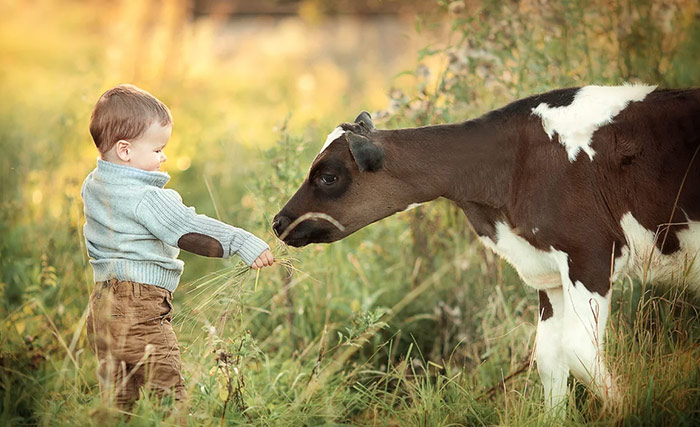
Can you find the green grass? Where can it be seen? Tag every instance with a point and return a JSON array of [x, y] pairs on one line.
[[357, 345]]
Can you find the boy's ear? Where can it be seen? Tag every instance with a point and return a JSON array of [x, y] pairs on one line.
[[123, 150]]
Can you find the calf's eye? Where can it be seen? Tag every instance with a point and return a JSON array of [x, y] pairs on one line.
[[328, 179]]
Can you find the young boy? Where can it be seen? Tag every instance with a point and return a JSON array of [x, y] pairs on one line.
[[134, 230]]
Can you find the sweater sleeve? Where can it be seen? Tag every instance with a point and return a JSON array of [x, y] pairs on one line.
[[166, 217]]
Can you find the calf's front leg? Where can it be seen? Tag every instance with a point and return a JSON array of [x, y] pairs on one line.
[[571, 332], [585, 318], [549, 353]]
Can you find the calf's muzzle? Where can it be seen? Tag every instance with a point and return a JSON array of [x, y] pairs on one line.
[[280, 224]]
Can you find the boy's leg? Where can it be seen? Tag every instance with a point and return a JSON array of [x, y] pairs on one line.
[[162, 370], [110, 326], [129, 328], [100, 312], [127, 382], [163, 375]]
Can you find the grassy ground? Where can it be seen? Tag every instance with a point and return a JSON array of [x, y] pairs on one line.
[[408, 322]]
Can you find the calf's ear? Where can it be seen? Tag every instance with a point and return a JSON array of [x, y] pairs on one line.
[[366, 120], [368, 155]]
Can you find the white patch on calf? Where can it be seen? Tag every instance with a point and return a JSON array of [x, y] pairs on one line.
[[592, 107], [621, 262], [337, 133], [549, 353], [585, 318], [645, 260], [536, 267], [411, 206]]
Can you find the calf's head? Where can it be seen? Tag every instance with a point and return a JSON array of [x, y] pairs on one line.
[[349, 186]]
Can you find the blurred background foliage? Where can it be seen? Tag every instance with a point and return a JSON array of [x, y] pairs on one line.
[[407, 322]]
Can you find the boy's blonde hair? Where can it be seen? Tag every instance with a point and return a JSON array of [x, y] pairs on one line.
[[125, 112]]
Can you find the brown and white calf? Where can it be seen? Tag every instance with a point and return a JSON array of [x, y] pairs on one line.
[[573, 187]]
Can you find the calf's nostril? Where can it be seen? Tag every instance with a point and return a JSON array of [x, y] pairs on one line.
[[279, 224]]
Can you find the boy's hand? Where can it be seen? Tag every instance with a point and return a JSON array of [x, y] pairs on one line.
[[264, 260]]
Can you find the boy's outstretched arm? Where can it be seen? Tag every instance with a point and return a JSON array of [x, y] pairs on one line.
[[166, 217]]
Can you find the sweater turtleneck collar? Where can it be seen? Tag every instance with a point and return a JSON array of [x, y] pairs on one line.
[[117, 174]]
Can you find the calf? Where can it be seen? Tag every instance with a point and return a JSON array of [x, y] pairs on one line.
[[573, 187]]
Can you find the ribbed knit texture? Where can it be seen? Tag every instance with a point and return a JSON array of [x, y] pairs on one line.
[[133, 224]]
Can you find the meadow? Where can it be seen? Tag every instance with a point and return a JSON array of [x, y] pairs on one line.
[[407, 322]]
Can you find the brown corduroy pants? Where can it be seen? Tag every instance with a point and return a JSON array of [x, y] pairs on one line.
[[129, 329]]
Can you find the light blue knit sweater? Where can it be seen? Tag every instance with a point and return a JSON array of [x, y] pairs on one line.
[[134, 228]]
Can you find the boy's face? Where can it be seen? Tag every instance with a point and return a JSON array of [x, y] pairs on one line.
[[147, 150]]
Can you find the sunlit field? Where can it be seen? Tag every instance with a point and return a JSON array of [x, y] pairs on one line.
[[407, 322]]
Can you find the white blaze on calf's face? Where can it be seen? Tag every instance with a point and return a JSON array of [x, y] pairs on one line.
[[592, 107], [337, 133]]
